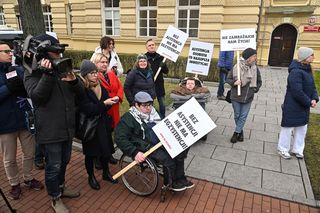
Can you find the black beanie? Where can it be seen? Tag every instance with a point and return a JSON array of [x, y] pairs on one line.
[[248, 52], [86, 67]]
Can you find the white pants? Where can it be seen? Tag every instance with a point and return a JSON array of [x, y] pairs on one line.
[[299, 134]]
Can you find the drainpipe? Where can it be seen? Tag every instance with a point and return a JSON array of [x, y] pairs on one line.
[[258, 27]]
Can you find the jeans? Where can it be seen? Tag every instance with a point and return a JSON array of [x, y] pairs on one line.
[[57, 157], [162, 107], [38, 156], [241, 111], [222, 80]]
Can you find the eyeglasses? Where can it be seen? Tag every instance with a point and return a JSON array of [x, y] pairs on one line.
[[111, 43], [93, 73], [145, 105], [142, 60], [6, 51]]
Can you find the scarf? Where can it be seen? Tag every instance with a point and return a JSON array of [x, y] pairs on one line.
[[248, 74], [141, 117]]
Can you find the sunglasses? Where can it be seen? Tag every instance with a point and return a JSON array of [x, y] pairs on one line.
[[6, 51]]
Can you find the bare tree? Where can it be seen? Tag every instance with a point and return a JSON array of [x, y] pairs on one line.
[[31, 17]]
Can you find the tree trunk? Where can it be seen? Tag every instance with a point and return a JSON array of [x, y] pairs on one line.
[[31, 16]]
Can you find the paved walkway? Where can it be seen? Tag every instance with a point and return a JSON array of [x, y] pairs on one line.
[[254, 164], [241, 177]]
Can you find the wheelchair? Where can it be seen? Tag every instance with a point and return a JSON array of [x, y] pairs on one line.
[[143, 178]]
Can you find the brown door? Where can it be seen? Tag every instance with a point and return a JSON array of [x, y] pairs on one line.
[[283, 42]]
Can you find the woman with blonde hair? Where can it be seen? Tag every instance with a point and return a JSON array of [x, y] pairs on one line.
[[96, 102]]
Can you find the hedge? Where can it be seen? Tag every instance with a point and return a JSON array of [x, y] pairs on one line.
[[176, 70]]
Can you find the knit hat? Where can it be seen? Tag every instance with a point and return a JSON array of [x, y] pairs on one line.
[[86, 67], [142, 97], [247, 53], [45, 37], [304, 53], [141, 56]]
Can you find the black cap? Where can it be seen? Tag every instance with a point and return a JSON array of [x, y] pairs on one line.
[[45, 37]]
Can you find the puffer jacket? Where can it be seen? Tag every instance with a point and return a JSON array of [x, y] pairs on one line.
[[300, 92], [54, 103]]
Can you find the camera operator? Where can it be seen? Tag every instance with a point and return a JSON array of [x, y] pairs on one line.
[[53, 96], [13, 105]]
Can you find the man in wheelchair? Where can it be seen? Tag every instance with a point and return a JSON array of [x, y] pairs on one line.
[[134, 136]]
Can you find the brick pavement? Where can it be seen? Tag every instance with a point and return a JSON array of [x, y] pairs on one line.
[[204, 197]]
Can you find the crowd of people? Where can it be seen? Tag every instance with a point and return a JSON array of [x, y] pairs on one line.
[[88, 106]]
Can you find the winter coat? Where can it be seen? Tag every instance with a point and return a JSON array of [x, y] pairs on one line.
[[136, 82], [226, 60], [300, 92], [54, 103], [114, 60], [129, 136], [247, 92], [114, 88], [155, 60], [101, 144], [12, 113]]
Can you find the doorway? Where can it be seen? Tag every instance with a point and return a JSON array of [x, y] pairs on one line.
[[283, 43]]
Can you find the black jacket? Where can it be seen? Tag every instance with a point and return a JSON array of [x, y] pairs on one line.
[[155, 60], [136, 82], [54, 103]]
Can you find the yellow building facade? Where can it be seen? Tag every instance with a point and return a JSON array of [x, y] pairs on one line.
[[281, 25]]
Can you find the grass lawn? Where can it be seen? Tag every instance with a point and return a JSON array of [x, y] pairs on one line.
[[312, 149]]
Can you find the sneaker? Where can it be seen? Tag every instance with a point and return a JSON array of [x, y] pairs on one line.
[[15, 192], [284, 154], [70, 193], [299, 156], [34, 184], [178, 187], [222, 97], [58, 206], [187, 183]]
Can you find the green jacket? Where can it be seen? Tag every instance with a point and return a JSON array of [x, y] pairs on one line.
[[128, 136]]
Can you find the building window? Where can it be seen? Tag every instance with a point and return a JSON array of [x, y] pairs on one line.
[[69, 19], [47, 15], [112, 17], [188, 16], [147, 17], [2, 20]]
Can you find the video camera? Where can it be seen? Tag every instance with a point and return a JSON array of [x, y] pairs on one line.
[[30, 51]]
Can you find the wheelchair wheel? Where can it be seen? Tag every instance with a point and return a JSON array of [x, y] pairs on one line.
[[142, 179]]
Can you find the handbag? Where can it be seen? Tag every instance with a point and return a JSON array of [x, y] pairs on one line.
[[228, 99], [86, 127]]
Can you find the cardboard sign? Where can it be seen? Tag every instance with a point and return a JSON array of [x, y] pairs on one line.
[[183, 127], [239, 39], [199, 58], [172, 43]]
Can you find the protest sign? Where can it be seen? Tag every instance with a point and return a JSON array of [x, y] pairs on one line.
[[237, 39], [183, 127], [172, 43], [199, 58]]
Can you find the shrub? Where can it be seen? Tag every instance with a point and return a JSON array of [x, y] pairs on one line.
[[176, 70]]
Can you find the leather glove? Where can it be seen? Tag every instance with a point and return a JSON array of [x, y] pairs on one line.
[[162, 64]]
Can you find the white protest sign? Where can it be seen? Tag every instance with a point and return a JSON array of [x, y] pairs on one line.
[[238, 39], [183, 127], [199, 58], [172, 43]]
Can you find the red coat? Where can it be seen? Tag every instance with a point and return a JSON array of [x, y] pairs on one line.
[[114, 88]]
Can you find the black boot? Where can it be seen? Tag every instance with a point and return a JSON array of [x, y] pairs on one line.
[[97, 164], [106, 175], [240, 136], [234, 137], [94, 184]]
